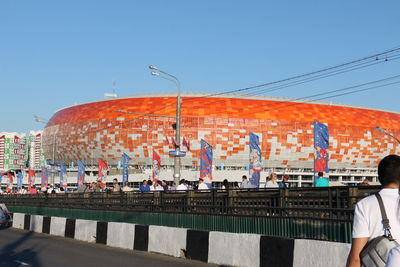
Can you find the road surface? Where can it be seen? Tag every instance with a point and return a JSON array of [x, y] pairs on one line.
[[22, 248]]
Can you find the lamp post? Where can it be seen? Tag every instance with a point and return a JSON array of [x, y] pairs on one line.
[[39, 119], [387, 133], [172, 78]]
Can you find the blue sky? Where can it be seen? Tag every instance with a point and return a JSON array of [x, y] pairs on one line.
[[57, 53]]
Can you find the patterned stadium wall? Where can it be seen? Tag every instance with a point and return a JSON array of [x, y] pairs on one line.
[[95, 130]]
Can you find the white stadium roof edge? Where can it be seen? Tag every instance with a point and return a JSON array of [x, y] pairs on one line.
[[229, 95]]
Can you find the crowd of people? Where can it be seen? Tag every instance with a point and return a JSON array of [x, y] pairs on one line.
[[271, 181]]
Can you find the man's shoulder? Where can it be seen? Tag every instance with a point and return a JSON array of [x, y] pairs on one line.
[[368, 201]]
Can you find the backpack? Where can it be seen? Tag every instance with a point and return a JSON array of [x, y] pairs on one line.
[[376, 252]]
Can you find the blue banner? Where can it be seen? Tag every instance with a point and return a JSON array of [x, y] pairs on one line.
[[1, 178], [255, 165], [321, 155], [206, 157], [19, 180], [63, 170], [45, 178], [125, 173], [81, 174]]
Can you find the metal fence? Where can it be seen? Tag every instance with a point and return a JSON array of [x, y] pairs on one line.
[[317, 213]]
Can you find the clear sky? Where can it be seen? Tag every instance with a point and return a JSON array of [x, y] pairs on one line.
[[58, 53]]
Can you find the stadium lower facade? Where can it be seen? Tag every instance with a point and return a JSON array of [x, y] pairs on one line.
[[97, 130]]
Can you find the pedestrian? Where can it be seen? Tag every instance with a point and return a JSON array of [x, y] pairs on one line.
[[159, 186], [285, 182], [225, 184], [164, 185], [245, 183], [321, 180], [202, 185], [127, 188], [173, 186], [236, 185], [182, 185], [33, 190], [272, 181], [144, 187], [367, 220], [116, 187], [365, 182]]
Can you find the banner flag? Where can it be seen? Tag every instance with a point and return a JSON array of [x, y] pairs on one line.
[[173, 141], [321, 155], [166, 140], [10, 182], [156, 166], [1, 178], [125, 173], [45, 177], [19, 179], [31, 179], [186, 143], [81, 174], [206, 157], [255, 165], [103, 167], [63, 170]]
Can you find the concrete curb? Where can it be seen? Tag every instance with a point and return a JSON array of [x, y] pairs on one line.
[[247, 250]]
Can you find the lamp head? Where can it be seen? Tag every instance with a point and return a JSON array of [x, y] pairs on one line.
[[155, 73], [153, 67]]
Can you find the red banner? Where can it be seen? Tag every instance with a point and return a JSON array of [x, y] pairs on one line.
[[156, 166]]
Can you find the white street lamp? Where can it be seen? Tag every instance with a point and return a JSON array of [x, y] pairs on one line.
[[177, 154]]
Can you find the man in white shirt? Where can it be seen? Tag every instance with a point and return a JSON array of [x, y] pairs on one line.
[[182, 185], [367, 222], [245, 183], [202, 185]]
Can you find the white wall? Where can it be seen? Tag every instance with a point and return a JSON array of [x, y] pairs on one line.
[[319, 253], [120, 235], [36, 223], [57, 226], [167, 240], [85, 230], [234, 249], [18, 220]]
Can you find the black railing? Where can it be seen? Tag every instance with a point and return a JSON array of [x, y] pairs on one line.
[[330, 203]]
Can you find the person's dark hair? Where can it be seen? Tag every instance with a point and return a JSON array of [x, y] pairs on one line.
[[115, 179], [225, 183], [182, 181], [244, 177], [320, 174], [149, 182], [389, 170]]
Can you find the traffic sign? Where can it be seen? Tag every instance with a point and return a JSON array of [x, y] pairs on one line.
[[176, 153]]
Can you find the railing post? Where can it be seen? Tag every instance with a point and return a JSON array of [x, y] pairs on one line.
[[353, 196]]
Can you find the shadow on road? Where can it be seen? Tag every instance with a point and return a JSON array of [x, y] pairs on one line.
[[9, 256]]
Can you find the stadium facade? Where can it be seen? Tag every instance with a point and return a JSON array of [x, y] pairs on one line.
[[97, 130]]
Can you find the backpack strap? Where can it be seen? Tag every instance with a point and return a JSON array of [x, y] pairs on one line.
[[385, 220]]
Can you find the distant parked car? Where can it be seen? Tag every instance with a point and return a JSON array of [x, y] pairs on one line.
[[5, 217]]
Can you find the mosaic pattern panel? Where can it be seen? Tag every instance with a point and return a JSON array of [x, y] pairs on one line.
[[96, 130]]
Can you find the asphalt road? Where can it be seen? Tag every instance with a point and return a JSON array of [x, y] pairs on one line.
[[22, 248]]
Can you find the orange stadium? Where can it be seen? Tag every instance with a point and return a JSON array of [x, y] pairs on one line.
[[97, 130]]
